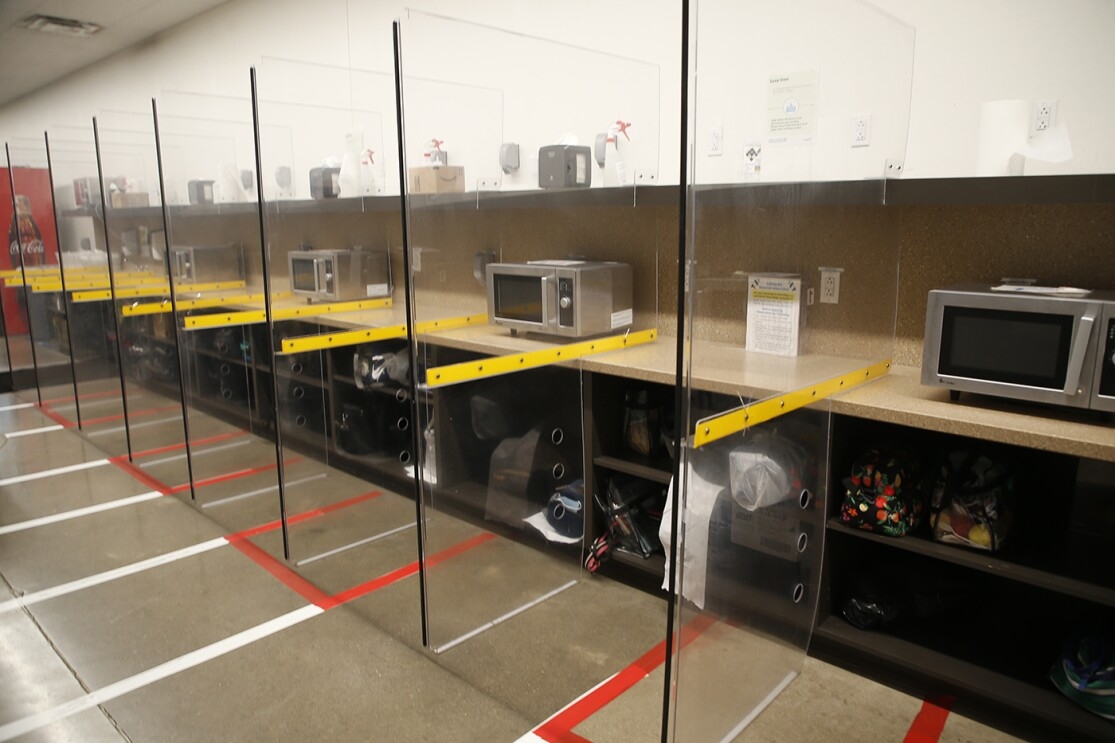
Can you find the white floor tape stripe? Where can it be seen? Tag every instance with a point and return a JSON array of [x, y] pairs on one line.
[[261, 491], [110, 575], [20, 406], [79, 512], [55, 471], [33, 431], [761, 706], [158, 673], [532, 738], [503, 618], [195, 453], [134, 426], [354, 545]]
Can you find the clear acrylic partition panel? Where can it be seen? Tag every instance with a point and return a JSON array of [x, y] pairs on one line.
[[207, 145], [92, 326], [794, 272], [504, 586], [35, 304], [335, 266], [149, 354]]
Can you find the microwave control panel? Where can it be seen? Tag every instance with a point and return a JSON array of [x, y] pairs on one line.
[[1107, 369], [565, 303]]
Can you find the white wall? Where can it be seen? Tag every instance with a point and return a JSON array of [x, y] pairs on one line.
[[966, 53]]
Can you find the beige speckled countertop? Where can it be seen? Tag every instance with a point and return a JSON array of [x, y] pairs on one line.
[[900, 398]]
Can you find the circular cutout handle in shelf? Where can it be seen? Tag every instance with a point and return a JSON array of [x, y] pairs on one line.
[[799, 593]]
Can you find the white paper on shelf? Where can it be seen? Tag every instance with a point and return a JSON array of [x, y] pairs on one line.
[[1065, 291], [539, 522]]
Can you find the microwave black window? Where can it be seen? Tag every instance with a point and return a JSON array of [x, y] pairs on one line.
[[1027, 348], [518, 298], [305, 277]]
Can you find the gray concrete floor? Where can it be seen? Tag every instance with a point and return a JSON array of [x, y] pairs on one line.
[[183, 650]]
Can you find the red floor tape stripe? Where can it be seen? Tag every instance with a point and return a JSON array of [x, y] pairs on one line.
[[407, 570], [131, 414], [285, 575], [314, 513], [232, 475], [559, 728], [929, 723], [316, 596], [151, 482], [88, 396], [56, 417], [198, 442]]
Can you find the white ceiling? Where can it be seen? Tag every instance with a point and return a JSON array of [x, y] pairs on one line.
[[32, 59]]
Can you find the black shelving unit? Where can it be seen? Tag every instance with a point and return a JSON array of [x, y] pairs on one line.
[[1000, 619]]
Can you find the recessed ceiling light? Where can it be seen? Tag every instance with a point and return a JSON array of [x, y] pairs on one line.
[[49, 24]]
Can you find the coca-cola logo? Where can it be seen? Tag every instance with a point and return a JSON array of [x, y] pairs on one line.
[[29, 248]]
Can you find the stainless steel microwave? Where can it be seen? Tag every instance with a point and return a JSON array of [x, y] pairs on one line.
[[1044, 345], [205, 264], [573, 299], [340, 275]]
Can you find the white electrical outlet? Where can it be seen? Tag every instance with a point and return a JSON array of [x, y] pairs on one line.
[[830, 285], [861, 130], [715, 145], [1044, 117]]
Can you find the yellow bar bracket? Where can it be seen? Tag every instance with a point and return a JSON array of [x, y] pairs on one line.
[[741, 418], [213, 286], [147, 308], [224, 319], [248, 317], [154, 291], [441, 376], [313, 310], [342, 338], [356, 337]]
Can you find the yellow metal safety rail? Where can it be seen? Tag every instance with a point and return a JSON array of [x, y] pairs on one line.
[[154, 291], [355, 337], [158, 308], [734, 421], [441, 376], [249, 317]]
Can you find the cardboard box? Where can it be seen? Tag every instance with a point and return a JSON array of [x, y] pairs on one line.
[[446, 179], [119, 200], [773, 530]]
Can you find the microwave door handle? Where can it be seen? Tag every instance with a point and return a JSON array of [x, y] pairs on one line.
[[1079, 349], [548, 317]]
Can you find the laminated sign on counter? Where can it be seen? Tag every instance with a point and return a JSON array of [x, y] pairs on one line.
[[773, 313]]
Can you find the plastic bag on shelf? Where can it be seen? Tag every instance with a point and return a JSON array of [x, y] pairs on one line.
[[766, 470], [972, 502]]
